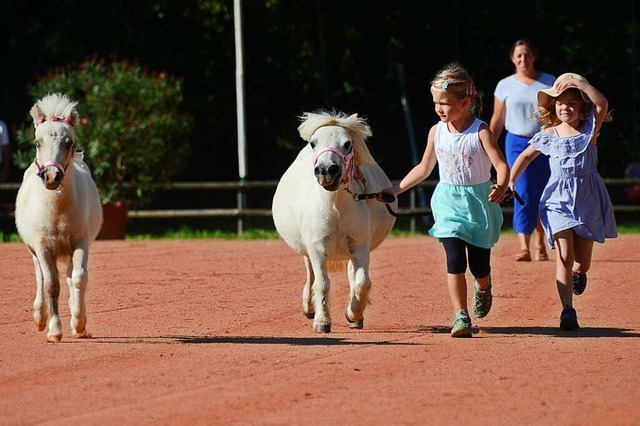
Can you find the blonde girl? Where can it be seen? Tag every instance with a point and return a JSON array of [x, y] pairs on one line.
[[465, 203]]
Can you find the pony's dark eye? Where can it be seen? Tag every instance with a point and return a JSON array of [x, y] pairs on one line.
[[313, 143], [348, 146], [68, 143], [36, 143]]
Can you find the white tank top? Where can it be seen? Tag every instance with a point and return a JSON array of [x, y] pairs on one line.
[[461, 158]]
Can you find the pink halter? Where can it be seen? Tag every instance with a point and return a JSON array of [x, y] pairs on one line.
[[55, 164], [41, 119], [68, 120], [346, 158]]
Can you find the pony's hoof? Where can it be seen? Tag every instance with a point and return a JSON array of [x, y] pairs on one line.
[[54, 338], [322, 328], [354, 324], [41, 327], [83, 335], [309, 315]]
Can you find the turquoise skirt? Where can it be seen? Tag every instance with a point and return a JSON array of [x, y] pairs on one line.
[[463, 211]]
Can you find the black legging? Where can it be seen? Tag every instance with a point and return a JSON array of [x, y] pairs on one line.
[[479, 258]]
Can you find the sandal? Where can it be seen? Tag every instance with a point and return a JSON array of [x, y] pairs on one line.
[[541, 254], [523, 256]]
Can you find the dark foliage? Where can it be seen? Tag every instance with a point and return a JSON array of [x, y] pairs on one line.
[[302, 55]]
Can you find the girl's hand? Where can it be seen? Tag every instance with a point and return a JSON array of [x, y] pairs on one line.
[[497, 193], [387, 195], [511, 194], [568, 82]]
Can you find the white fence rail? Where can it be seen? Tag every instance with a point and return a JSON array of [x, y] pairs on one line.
[[242, 189]]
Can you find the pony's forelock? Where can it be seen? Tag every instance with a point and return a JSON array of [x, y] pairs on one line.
[[312, 121], [357, 128], [57, 105]]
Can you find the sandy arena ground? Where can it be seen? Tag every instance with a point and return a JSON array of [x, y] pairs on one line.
[[212, 332]]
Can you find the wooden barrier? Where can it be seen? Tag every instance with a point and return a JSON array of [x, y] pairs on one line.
[[242, 189]]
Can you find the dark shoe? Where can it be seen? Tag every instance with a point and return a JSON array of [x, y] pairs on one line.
[[569, 319], [579, 283], [482, 300]]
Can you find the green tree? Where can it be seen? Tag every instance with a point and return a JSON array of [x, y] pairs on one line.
[[131, 128]]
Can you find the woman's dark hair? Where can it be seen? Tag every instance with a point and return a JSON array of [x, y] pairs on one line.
[[524, 42]]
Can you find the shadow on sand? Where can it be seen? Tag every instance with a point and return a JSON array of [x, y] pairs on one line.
[[246, 340], [590, 332]]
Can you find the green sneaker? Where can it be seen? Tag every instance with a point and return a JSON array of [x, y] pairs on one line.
[[461, 325], [482, 300]]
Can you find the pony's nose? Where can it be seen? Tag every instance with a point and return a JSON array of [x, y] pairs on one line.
[[51, 175], [327, 172]]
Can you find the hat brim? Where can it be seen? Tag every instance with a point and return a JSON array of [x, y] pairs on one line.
[[546, 95]]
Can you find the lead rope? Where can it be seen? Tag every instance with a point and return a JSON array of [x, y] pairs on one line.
[[388, 198]]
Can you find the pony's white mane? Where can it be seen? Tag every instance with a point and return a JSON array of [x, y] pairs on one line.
[[357, 128], [56, 104]]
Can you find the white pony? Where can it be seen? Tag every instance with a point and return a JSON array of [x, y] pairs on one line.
[[323, 209], [58, 215]]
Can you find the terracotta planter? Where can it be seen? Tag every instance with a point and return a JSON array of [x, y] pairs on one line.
[[114, 224]]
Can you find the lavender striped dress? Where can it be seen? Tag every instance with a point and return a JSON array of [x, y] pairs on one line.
[[575, 196]]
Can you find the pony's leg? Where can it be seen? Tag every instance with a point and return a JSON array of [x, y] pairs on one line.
[[39, 308], [322, 317], [360, 286], [77, 278], [307, 298], [51, 285]]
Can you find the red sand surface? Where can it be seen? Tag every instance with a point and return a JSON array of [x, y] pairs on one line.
[[212, 332]]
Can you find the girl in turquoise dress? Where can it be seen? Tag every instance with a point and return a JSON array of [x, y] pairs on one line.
[[465, 203], [575, 208]]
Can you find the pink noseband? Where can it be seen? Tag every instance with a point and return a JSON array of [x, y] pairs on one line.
[[347, 159], [55, 164]]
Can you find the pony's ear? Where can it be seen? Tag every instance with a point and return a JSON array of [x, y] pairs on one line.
[[73, 118], [37, 115], [359, 125]]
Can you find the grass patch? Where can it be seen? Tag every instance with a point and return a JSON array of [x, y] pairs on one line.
[[264, 234], [186, 233], [629, 229]]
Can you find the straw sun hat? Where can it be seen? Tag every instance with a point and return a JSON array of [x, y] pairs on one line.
[[545, 95]]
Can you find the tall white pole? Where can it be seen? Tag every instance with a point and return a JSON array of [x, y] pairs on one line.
[[242, 149]]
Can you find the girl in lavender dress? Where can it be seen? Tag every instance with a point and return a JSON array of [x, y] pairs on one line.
[[575, 208]]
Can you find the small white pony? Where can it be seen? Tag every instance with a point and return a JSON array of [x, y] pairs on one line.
[[58, 215], [318, 212]]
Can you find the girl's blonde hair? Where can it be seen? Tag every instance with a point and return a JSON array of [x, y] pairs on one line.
[[546, 113], [455, 80]]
